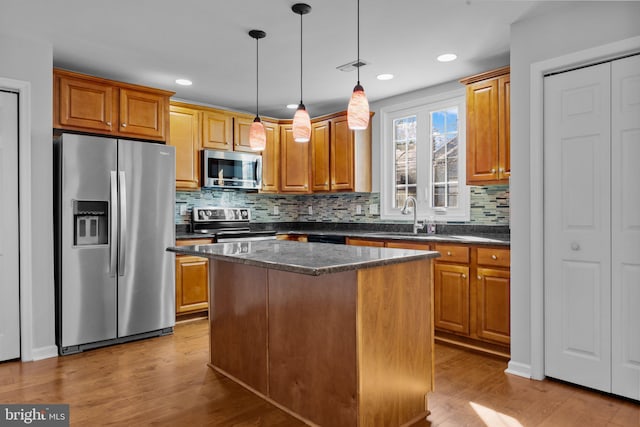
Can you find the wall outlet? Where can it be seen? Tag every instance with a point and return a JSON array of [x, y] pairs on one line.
[[183, 209], [310, 210], [358, 209], [276, 210], [373, 209]]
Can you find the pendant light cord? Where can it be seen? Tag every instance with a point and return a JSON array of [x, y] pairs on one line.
[[358, 38], [257, 82], [300, 58]]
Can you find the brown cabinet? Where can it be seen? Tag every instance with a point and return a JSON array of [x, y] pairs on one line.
[[340, 157], [90, 104], [192, 280], [472, 296], [295, 172], [217, 130], [271, 158], [185, 137], [488, 127]]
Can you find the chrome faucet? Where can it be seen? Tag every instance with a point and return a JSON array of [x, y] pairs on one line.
[[417, 225]]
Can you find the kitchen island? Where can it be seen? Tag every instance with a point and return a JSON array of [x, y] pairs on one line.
[[335, 335]]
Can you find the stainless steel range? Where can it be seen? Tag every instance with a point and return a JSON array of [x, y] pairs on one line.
[[227, 224]]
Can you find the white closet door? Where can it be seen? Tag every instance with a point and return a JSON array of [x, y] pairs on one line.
[[577, 232], [9, 261], [625, 226]]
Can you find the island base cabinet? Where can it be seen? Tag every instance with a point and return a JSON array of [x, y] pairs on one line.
[[353, 348]]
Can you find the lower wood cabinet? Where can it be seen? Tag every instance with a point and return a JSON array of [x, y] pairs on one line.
[[472, 288], [192, 280]]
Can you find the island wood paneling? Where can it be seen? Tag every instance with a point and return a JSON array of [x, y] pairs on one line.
[[238, 316], [395, 343], [312, 345]]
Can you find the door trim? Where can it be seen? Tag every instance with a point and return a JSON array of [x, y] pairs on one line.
[[538, 70], [24, 199]]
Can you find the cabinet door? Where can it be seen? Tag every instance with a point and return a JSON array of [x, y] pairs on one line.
[[493, 305], [451, 295], [142, 114], [241, 128], [504, 146], [271, 159], [342, 155], [84, 105], [217, 130], [294, 162], [320, 148], [192, 278], [184, 134], [482, 133]]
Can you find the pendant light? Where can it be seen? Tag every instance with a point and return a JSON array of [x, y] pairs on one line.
[[358, 110], [301, 119], [257, 135]]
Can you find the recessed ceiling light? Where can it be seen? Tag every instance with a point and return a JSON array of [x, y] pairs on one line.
[[292, 106], [184, 82], [385, 76], [447, 57]]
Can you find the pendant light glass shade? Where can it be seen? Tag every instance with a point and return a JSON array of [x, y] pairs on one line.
[[301, 125], [257, 135], [301, 119], [358, 110]]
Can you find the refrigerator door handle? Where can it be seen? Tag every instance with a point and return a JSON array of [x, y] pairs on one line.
[[123, 223], [113, 244]]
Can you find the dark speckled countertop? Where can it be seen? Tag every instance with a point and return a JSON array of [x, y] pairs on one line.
[[477, 235], [306, 258]]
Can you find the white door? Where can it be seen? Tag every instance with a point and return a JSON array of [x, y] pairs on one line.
[[625, 227], [577, 232], [9, 261]]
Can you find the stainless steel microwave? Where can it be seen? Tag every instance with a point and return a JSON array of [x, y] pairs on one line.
[[231, 169]]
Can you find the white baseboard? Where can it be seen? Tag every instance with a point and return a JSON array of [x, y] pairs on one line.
[[519, 369], [44, 352]]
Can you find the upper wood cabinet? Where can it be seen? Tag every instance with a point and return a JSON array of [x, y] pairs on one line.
[[271, 158], [217, 130], [91, 104], [185, 136], [488, 127], [295, 172], [340, 157]]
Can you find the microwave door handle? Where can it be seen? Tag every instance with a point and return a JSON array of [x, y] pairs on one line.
[[113, 247], [123, 224]]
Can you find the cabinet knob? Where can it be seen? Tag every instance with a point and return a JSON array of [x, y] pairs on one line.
[[575, 246], [479, 277], [448, 253], [501, 170], [494, 257], [464, 276], [108, 123], [124, 125], [493, 171]]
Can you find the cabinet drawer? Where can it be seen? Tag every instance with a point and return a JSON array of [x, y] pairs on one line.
[[494, 257], [190, 242], [408, 245], [453, 253]]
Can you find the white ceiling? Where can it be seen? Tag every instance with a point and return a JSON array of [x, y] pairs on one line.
[[154, 42]]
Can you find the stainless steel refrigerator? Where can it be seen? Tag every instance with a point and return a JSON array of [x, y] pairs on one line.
[[114, 218]]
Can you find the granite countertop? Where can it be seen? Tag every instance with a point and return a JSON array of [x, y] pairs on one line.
[[476, 238], [305, 258]]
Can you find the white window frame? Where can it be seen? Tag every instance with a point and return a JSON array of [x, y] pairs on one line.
[[422, 108]]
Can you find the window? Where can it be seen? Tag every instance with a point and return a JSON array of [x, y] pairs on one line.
[[423, 156]]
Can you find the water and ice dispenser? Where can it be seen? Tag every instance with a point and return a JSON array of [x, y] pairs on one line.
[[91, 222]]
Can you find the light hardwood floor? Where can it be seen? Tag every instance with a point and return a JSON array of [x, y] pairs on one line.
[[165, 381]]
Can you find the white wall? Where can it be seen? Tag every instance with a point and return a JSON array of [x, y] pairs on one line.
[[32, 61], [571, 28]]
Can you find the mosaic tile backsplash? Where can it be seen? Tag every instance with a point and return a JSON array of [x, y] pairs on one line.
[[489, 206]]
